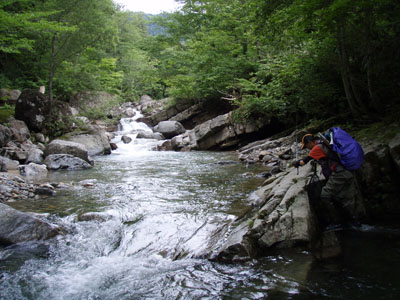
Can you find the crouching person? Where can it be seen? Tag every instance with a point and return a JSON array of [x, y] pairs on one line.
[[339, 191]]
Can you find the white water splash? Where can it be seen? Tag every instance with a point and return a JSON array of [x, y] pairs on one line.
[[130, 127]]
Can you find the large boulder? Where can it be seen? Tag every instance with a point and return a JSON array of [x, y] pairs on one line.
[[34, 171], [285, 219], [156, 111], [144, 100], [169, 129], [9, 163], [5, 135], [150, 135], [378, 178], [32, 107], [218, 133], [17, 227], [9, 96], [35, 155], [19, 129], [65, 162], [67, 147], [96, 143]]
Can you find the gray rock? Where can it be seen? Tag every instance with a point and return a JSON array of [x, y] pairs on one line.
[[144, 135], [145, 99], [150, 135], [218, 133], [96, 144], [126, 139], [157, 111], [113, 146], [44, 191], [5, 135], [10, 96], [3, 166], [17, 227], [285, 219], [169, 129], [20, 130], [10, 164], [41, 138], [65, 162], [67, 147], [35, 156], [34, 171], [129, 112]]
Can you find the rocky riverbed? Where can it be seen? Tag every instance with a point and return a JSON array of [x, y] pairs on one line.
[[14, 187]]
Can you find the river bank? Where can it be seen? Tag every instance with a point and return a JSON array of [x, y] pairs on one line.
[[180, 216], [139, 231]]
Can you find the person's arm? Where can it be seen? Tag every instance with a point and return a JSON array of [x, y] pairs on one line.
[[316, 153], [306, 160]]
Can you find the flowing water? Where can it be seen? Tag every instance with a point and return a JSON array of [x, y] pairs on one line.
[[138, 223]]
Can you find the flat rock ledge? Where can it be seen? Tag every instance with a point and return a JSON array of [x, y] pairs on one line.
[[284, 219]]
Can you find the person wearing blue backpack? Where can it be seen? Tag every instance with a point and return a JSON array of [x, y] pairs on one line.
[[338, 168]]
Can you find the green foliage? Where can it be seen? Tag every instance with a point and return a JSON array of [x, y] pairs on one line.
[[91, 73], [100, 112], [292, 59], [6, 111], [17, 26]]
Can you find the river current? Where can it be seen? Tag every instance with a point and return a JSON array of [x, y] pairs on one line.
[[137, 225]]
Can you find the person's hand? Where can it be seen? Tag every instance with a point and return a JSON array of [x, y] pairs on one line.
[[297, 163]]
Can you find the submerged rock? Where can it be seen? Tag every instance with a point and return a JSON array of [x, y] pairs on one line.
[[126, 139]]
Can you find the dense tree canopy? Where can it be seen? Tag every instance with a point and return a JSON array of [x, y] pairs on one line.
[[286, 58]]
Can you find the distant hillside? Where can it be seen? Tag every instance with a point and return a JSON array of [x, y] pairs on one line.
[[154, 29]]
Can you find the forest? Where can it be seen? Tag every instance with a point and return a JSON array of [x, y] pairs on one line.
[[290, 59]]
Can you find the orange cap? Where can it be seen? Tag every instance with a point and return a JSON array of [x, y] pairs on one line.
[[303, 143]]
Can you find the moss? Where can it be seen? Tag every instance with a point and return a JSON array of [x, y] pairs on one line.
[[5, 113], [382, 130], [290, 202], [251, 223]]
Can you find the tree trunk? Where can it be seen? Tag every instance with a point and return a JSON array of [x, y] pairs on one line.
[[52, 66], [354, 100]]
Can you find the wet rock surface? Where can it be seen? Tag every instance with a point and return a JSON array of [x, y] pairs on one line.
[[17, 227], [66, 162]]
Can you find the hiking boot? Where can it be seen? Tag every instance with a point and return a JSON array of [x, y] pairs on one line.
[[333, 227], [352, 225]]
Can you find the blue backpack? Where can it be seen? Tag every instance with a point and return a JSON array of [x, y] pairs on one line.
[[349, 150]]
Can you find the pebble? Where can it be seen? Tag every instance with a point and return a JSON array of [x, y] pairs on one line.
[[14, 187]]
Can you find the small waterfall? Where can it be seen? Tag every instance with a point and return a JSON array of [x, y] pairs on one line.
[[139, 133]]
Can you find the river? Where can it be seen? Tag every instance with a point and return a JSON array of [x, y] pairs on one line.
[[152, 217]]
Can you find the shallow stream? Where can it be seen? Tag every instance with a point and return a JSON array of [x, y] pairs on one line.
[[137, 223]]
